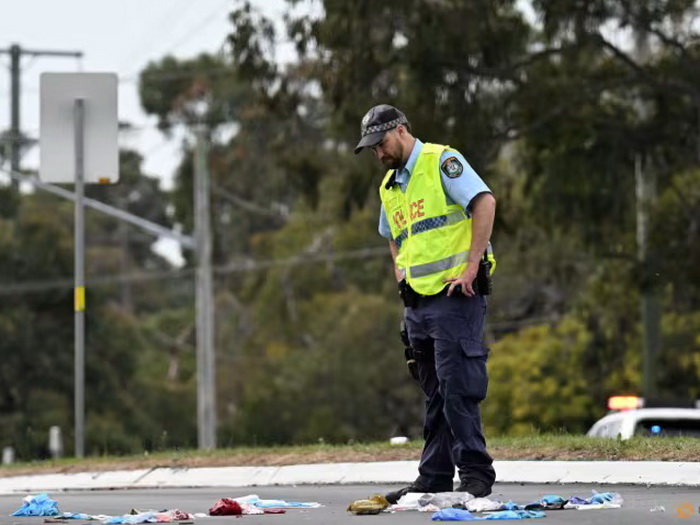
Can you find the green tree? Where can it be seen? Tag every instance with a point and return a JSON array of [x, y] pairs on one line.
[[122, 363], [553, 389], [553, 114]]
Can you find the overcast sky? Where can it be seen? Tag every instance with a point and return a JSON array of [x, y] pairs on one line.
[[119, 36]]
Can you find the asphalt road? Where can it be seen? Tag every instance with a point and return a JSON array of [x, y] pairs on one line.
[[638, 502]]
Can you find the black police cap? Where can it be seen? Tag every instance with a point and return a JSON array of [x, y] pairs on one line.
[[376, 122]]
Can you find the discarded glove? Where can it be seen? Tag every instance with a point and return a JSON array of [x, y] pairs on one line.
[[254, 499], [602, 497], [550, 502], [454, 515], [514, 515], [465, 515], [39, 505]]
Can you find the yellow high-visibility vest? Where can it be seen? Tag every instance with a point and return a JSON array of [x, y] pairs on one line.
[[432, 236]]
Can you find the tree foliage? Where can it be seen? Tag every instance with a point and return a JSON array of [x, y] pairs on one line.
[[126, 410], [559, 113]]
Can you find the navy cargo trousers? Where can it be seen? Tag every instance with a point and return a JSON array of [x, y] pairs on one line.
[[446, 334]]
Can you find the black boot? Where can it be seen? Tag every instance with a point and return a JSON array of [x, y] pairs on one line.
[[416, 486], [475, 487]]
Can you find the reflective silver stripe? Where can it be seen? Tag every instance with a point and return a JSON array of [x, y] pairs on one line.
[[422, 270], [438, 222], [384, 127]]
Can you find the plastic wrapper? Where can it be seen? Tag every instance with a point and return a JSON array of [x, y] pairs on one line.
[[372, 505]]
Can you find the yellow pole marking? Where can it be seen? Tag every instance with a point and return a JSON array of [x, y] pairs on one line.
[[80, 299]]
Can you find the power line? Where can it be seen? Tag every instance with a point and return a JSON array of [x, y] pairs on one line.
[[176, 75], [249, 265], [165, 23], [249, 206], [301, 259], [16, 53], [68, 282], [195, 28], [151, 227], [200, 26]]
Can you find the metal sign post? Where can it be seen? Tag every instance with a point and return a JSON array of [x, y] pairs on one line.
[[79, 299], [87, 102]]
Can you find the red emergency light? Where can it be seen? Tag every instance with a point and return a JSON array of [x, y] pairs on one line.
[[625, 402]]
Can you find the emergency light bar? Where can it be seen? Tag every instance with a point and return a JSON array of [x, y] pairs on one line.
[[625, 402]]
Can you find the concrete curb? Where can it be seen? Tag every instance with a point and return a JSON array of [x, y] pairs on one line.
[[596, 472]]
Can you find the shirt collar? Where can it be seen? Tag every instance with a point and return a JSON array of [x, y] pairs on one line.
[[403, 174]]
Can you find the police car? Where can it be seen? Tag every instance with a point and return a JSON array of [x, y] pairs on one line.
[[629, 417]]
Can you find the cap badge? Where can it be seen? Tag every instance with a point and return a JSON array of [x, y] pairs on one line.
[[365, 119]]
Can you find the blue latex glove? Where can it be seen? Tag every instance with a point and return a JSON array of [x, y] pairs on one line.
[[601, 497], [465, 515], [514, 515], [547, 502], [76, 516], [39, 505], [454, 515]]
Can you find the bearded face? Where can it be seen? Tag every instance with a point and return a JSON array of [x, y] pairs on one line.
[[390, 151]]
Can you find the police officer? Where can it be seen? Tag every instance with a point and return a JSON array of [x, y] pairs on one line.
[[438, 214]]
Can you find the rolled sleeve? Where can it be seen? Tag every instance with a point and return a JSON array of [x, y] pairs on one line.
[[462, 189], [384, 228]]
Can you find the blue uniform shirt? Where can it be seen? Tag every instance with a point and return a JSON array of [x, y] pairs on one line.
[[458, 190]]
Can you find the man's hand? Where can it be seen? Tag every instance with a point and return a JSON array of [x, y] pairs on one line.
[[483, 212], [399, 273], [464, 281]]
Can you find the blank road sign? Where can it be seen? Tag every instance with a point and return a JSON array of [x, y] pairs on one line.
[[59, 91]]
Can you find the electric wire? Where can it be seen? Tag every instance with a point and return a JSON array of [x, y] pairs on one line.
[[193, 30], [204, 23], [242, 266], [166, 23]]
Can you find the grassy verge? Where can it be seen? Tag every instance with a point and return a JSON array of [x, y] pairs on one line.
[[582, 448], [540, 447]]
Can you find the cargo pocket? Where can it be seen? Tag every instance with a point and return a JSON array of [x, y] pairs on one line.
[[475, 377]]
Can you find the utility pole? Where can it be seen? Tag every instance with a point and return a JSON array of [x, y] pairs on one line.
[[206, 379], [650, 295], [15, 135], [646, 197], [127, 298]]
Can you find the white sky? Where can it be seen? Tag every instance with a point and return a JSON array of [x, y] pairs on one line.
[[119, 36]]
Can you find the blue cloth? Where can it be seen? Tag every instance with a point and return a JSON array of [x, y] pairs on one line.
[[76, 516], [39, 505], [547, 502], [597, 498], [554, 502], [510, 505], [446, 335], [132, 519], [453, 515], [465, 515], [515, 515], [601, 497], [254, 499], [460, 190]]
